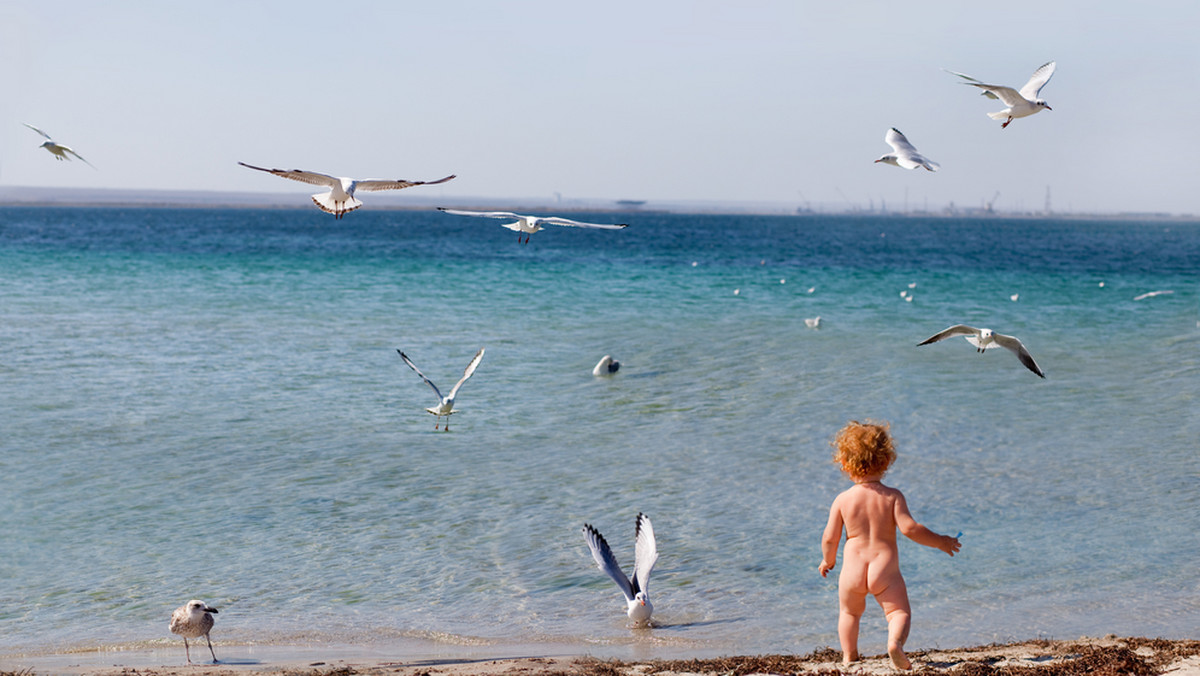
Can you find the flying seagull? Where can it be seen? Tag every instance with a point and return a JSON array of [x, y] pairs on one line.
[[193, 620], [340, 200], [903, 153], [531, 224], [59, 151], [985, 339], [1021, 103], [445, 405], [635, 587]]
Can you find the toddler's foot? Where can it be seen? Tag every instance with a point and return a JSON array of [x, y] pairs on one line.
[[847, 659], [899, 659]]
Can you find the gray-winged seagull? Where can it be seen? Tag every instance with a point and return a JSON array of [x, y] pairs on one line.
[[636, 587], [340, 200], [903, 154], [985, 339], [59, 151], [445, 406], [1022, 103], [531, 224]]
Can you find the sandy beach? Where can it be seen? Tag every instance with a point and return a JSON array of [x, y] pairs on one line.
[[1107, 655]]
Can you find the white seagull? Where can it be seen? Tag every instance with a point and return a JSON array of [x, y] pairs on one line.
[[1021, 103], [531, 224], [636, 587], [340, 200], [445, 406], [193, 620], [606, 366], [59, 151], [903, 153], [985, 339]]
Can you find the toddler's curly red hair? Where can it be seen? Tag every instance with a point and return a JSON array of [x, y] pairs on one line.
[[864, 449]]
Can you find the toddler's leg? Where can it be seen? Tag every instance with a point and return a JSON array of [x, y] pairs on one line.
[[894, 601], [851, 606]]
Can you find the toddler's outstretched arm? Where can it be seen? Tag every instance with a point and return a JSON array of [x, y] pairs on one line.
[[920, 534]]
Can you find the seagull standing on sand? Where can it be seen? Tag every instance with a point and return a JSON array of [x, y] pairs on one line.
[[531, 224], [339, 199], [636, 587], [58, 150], [903, 154], [985, 339], [1021, 103], [445, 406], [193, 620]]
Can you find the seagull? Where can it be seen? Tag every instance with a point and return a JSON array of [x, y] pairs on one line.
[[193, 620], [606, 367], [1151, 294], [903, 154], [813, 322], [445, 405], [985, 339], [636, 587], [340, 200], [58, 150], [1021, 103], [531, 224]]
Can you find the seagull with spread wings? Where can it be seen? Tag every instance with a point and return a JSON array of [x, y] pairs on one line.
[[58, 150], [636, 587], [445, 406], [531, 224], [339, 199], [986, 339], [903, 154], [1021, 103]]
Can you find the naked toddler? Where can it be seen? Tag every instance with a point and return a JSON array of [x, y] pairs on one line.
[[871, 513]]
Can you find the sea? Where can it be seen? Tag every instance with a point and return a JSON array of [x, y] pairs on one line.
[[209, 403]]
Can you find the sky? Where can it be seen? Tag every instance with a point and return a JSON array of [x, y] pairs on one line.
[[661, 100]]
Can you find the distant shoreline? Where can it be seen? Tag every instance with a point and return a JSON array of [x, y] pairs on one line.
[[19, 196]]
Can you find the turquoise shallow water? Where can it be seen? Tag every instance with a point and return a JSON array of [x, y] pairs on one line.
[[208, 404]]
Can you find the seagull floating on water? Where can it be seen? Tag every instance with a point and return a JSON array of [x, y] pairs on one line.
[[1022, 103], [340, 200], [813, 322], [985, 339], [193, 620], [445, 405], [59, 151], [903, 154], [635, 587], [606, 367], [531, 224]]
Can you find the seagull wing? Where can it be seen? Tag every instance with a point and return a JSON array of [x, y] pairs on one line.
[[606, 561], [482, 214], [375, 184], [427, 381], [1008, 95], [79, 156], [907, 155], [310, 177], [1013, 345], [645, 554], [44, 134], [558, 220], [1038, 80], [956, 330], [972, 81], [899, 142], [466, 373]]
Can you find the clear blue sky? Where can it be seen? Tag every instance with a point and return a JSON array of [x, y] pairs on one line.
[[781, 101]]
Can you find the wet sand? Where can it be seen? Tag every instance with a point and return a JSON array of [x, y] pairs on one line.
[[1108, 655]]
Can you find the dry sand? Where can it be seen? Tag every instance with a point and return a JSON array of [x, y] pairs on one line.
[[1103, 656]]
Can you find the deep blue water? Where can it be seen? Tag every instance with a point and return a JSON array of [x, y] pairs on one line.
[[209, 404]]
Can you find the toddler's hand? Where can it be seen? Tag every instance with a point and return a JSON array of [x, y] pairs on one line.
[[825, 568], [950, 545]]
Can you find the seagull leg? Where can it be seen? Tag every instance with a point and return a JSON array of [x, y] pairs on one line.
[[210, 650], [1006, 123], [187, 651]]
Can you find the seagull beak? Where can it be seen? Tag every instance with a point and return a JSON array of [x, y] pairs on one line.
[[642, 601], [209, 610]]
